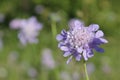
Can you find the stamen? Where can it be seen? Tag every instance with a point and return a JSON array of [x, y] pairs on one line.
[[79, 37]]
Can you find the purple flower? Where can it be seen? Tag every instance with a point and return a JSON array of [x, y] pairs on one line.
[[16, 23], [47, 59], [29, 29], [79, 41]]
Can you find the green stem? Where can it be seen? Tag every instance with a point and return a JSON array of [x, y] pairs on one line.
[[54, 32], [53, 27], [87, 77]]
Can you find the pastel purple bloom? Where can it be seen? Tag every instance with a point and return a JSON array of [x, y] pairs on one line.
[[29, 29], [15, 24], [80, 41], [47, 59]]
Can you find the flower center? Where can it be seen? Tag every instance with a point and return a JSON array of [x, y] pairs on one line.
[[79, 37]]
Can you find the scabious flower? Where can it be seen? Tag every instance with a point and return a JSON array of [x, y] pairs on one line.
[[3, 72], [13, 57], [47, 59], [76, 75], [90, 68], [55, 17], [64, 75], [16, 23], [39, 9], [79, 41], [32, 72], [29, 29]]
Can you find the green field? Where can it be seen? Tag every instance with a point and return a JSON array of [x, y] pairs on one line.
[[18, 62]]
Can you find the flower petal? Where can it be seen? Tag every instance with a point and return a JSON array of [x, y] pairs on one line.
[[64, 48], [93, 27], [98, 49], [78, 23], [63, 32], [61, 44], [85, 55], [99, 34], [59, 37], [90, 53], [66, 54], [78, 58], [96, 41], [103, 40], [75, 23], [69, 59], [80, 49]]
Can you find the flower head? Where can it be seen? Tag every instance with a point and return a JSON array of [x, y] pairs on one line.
[[47, 59], [29, 29], [79, 41], [16, 24]]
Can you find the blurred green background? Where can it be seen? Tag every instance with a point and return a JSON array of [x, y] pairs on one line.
[[19, 62]]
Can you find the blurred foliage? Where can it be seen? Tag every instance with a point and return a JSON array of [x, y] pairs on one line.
[[106, 13]]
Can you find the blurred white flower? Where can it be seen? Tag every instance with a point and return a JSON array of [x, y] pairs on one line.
[[15, 24], [39, 9], [24, 65], [55, 17], [106, 68], [29, 29], [65, 75], [76, 76], [3, 72], [32, 72], [12, 57], [90, 68], [47, 59]]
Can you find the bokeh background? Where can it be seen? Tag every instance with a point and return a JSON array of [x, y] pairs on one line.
[[44, 61]]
